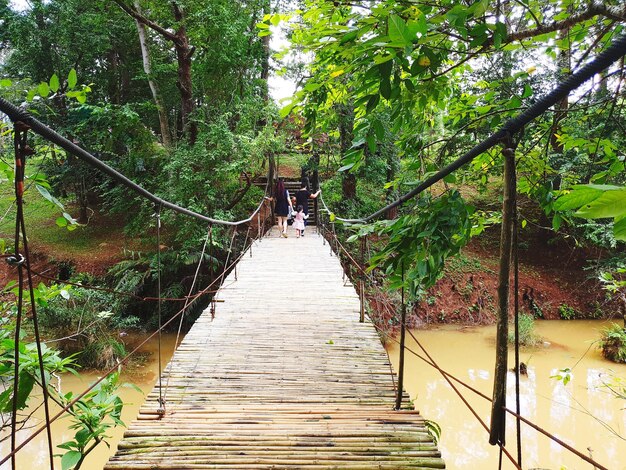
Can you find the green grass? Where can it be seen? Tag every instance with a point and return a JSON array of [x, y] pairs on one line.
[[527, 335], [43, 233]]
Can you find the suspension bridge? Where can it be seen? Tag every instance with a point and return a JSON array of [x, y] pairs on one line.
[[281, 375], [284, 375]]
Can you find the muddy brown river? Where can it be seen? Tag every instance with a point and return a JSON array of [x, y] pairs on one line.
[[34, 455], [583, 413]]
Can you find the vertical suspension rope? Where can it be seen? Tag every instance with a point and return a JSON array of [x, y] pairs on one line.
[[161, 408], [402, 340], [182, 314], [19, 260], [211, 258], [21, 151]]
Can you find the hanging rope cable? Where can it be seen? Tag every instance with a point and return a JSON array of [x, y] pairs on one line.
[[21, 150], [518, 408], [18, 114], [614, 52], [161, 409], [106, 374], [17, 261], [428, 360]]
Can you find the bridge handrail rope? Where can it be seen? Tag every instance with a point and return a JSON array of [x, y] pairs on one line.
[[17, 114], [614, 52], [447, 376], [504, 136]]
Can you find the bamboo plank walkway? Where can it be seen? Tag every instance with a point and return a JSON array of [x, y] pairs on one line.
[[283, 377]]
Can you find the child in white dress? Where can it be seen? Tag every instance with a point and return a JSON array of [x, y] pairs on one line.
[[298, 221]]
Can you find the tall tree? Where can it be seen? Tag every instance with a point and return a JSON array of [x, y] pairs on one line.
[[147, 67], [184, 52]]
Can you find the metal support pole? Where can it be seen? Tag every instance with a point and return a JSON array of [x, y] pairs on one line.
[[401, 361]]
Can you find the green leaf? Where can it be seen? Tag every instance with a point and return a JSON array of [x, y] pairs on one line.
[[5, 82], [371, 142], [43, 89], [61, 222], [54, 83], [379, 129], [46, 194], [72, 79], [398, 31], [385, 88], [372, 103], [578, 196], [70, 459], [528, 91], [349, 36], [619, 228], [609, 204], [275, 20]]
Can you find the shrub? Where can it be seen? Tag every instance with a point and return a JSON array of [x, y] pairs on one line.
[[568, 313], [613, 343]]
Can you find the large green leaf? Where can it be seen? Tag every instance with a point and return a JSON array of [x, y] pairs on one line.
[[619, 228], [70, 459], [610, 204], [72, 79], [577, 197], [398, 31]]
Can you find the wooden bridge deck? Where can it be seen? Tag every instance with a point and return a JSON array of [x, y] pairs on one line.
[[283, 377]]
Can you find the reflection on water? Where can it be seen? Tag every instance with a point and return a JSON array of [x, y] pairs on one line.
[[583, 413], [35, 453]]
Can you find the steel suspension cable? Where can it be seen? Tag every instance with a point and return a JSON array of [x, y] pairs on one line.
[[518, 408], [16, 114], [161, 409]]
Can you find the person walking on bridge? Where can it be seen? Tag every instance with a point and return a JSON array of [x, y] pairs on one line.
[[283, 204], [302, 198]]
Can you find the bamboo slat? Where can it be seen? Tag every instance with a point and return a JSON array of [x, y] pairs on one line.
[[283, 377]]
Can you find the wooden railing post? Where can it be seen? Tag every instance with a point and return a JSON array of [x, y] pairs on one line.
[[498, 415], [362, 283], [402, 339]]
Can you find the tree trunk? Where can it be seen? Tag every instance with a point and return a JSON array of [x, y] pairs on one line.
[[185, 84], [346, 128], [145, 54], [184, 52]]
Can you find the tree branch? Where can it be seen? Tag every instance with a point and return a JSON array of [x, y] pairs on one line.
[[595, 9], [241, 193], [149, 23]]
